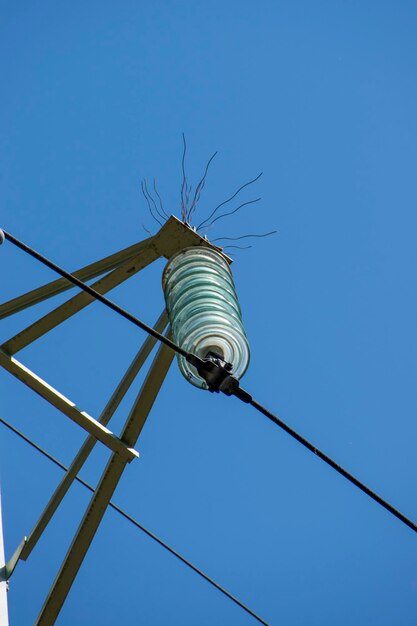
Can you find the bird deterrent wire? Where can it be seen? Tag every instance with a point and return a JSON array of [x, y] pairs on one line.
[[272, 232], [145, 194], [160, 199], [219, 217], [152, 199], [199, 189], [228, 200]]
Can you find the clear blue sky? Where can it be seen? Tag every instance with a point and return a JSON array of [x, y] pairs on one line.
[[321, 97]]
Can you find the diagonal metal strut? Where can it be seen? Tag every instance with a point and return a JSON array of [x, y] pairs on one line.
[[79, 302], [67, 407], [90, 442], [105, 490], [85, 273]]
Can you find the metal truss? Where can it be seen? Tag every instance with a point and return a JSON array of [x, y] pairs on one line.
[[114, 270]]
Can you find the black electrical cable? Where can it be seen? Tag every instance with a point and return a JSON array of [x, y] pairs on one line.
[[217, 375], [136, 523], [386, 505]]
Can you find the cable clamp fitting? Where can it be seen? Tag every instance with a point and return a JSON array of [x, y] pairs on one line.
[[217, 374]]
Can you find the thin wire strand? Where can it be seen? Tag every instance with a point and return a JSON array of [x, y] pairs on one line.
[[136, 523], [146, 230], [160, 199], [187, 201], [184, 186], [219, 217], [199, 189], [228, 200], [161, 215], [238, 247], [272, 232], [142, 184]]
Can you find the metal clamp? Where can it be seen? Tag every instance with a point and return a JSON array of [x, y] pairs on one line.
[[216, 373]]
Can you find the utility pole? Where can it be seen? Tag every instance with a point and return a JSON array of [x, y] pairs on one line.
[[4, 613]]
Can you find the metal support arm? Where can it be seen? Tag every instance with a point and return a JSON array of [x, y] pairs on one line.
[[105, 490], [59, 286], [79, 302], [8, 569], [90, 442], [67, 407]]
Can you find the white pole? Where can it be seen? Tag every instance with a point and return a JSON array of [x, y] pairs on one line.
[[4, 613]]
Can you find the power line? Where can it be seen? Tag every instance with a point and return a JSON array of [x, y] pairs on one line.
[[276, 420], [217, 375], [136, 523]]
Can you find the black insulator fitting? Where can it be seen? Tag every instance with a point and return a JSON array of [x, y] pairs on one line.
[[216, 372]]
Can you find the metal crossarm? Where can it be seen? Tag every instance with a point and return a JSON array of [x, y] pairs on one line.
[[67, 407], [90, 442]]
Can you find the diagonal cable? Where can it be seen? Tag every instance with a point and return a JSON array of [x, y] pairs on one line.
[[133, 521], [324, 457]]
